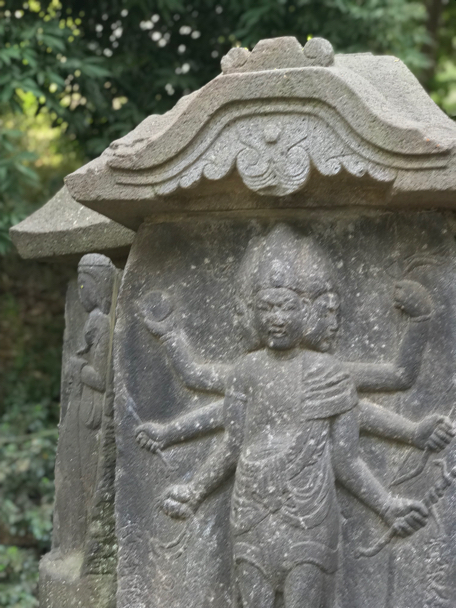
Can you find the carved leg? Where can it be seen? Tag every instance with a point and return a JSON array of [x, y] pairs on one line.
[[256, 590], [307, 585]]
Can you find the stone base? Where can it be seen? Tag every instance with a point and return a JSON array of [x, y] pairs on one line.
[[63, 586]]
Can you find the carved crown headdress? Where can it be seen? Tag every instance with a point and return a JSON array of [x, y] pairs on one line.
[[283, 258]]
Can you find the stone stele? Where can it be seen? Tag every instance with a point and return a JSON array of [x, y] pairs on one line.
[[284, 346], [80, 570]]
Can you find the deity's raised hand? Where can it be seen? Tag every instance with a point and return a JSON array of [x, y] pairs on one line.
[[157, 309], [413, 299], [75, 365]]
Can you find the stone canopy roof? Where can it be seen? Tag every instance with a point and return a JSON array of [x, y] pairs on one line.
[[64, 230], [299, 123]]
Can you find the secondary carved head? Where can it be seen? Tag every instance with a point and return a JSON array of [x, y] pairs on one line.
[[288, 298], [95, 282]]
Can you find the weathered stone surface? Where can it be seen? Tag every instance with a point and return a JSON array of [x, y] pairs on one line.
[[63, 229], [284, 347], [279, 53], [282, 121], [81, 568], [248, 356]]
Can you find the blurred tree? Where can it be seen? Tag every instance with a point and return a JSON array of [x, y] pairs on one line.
[[101, 67], [440, 77], [31, 323], [15, 176]]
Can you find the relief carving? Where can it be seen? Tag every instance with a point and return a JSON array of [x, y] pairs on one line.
[[273, 154], [290, 418], [438, 565], [83, 540]]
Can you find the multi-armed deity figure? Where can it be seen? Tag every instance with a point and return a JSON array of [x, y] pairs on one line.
[[291, 418]]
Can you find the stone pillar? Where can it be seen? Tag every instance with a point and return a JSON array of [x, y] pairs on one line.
[[284, 346]]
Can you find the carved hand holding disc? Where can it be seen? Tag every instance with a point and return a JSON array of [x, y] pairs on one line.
[[157, 308]]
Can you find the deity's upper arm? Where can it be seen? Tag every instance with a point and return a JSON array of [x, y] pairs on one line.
[[97, 324], [238, 388], [345, 434], [196, 374], [327, 388], [399, 374]]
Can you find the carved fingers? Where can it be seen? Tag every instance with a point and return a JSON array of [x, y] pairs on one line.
[[434, 432], [413, 299], [146, 441], [179, 501], [158, 328], [153, 430], [76, 364], [406, 516]]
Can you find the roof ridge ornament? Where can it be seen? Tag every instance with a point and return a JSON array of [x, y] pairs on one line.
[[277, 54]]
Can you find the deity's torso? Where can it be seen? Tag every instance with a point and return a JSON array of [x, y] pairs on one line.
[[285, 466], [285, 392]]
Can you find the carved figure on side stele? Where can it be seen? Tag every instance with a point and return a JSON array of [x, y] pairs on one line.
[[83, 539], [291, 418]]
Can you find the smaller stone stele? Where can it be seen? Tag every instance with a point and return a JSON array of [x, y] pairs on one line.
[[80, 570]]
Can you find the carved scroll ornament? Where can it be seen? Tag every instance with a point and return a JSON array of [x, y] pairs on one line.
[[273, 154]]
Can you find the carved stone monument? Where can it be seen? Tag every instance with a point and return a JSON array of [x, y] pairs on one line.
[[284, 344], [84, 546], [80, 570]]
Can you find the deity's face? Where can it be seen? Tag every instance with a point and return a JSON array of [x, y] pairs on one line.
[[323, 322], [87, 291], [280, 316]]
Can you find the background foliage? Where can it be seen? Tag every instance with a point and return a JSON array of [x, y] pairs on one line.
[[73, 77]]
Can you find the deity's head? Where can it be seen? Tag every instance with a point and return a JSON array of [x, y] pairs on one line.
[[287, 294], [95, 282]]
